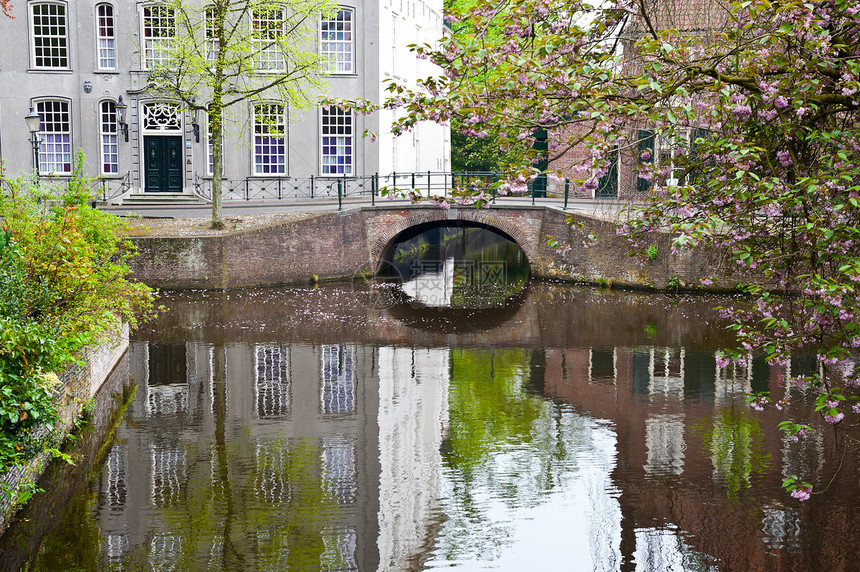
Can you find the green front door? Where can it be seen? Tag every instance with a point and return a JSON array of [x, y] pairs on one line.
[[162, 164]]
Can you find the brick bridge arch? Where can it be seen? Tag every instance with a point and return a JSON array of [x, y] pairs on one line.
[[385, 227]]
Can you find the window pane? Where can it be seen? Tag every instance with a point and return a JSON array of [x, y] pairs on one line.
[[270, 154], [268, 28], [110, 148], [336, 42], [158, 31], [106, 37], [336, 141], [50, 44], [55, 151]]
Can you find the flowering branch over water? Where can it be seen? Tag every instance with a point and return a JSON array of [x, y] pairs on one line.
[[742, 122]]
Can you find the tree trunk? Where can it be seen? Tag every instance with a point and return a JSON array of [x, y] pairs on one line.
[[215, 129]]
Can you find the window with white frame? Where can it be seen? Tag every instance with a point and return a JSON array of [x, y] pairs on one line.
[[210, 152], [109, 141], [50, 35], [337, 41], [268, 30], [669, 152], [159, 30], [270, 127], [55, 151], [337, 141], [212, 43], [210, 148], [106, 35]]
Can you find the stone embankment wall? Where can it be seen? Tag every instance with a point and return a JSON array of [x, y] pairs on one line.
[[341, 245], [78, 384]]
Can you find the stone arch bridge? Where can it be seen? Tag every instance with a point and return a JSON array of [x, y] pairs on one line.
[[335, 245]]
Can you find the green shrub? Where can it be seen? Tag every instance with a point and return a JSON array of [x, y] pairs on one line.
[[63, 287]]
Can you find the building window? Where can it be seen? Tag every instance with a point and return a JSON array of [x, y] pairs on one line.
[[159, 29], [336, 42], [212, 43], [268, 32], [55, 151], [336, 141], [669, 153], [607, 186], [50, 35], [270, 154], [110, 148], [210, 153], [106, 37]]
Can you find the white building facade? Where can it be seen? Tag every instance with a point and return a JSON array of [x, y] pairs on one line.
[[72, 61]]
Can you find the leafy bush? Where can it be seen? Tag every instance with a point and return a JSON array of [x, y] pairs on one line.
[[63, 287]]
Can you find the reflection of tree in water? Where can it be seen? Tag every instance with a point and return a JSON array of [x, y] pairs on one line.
[[504, 442], [736, 446]]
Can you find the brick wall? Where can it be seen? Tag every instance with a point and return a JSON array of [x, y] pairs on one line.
[[78, 384]]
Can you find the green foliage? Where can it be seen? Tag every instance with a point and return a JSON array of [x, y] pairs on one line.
[[217, 81], [486, 409], [482, 154], [735, 443], [652, 252], [63, 287]]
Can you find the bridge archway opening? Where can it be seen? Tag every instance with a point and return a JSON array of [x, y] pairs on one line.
[[386, 256], [451, 265]]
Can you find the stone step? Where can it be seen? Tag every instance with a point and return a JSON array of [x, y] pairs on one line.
[[162, 198]]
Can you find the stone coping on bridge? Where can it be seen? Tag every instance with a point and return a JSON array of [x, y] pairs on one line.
[[573, 245]]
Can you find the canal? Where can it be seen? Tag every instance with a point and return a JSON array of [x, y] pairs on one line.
[[450, 414]]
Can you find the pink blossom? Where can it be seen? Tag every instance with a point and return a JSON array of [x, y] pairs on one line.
[[834, 419], [742, 111], [784, 158], [801, 493]]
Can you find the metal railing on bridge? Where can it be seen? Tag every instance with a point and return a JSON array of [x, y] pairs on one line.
[[371, 187]]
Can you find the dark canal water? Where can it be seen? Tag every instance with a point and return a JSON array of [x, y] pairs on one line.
[[465, 419]]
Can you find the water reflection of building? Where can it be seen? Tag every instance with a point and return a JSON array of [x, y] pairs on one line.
[[274, 445], [668, 406], [413, 401]]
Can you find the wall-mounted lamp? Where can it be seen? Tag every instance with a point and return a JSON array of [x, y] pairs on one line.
[[34, 123], [195, 126], [120, 117]]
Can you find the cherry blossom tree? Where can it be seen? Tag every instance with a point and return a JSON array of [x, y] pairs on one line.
[[758, 104]]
